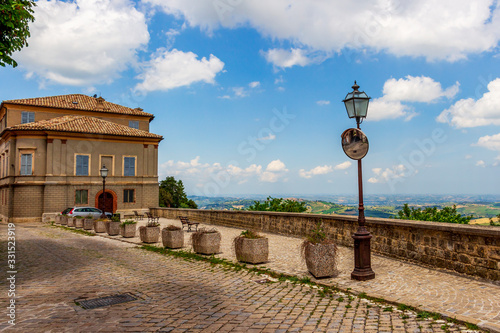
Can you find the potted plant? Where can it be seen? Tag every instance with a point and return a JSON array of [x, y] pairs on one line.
[[150, 233], [100, 225], [172, 237], [128, 228], [88, 223], [251, 247], [320, 253], [79, 222], [206, 241], [113, 225], [71, 221]]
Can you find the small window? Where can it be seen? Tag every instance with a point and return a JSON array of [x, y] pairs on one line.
[[82, 165], [129, 166], [81, 197], [128, 195], [27, 117], [26, 164], [133, 124]]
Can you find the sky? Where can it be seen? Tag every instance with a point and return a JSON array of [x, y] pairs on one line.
[[248, 94]]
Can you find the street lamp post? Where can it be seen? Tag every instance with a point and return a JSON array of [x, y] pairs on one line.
[[104, 174], [356, 104]]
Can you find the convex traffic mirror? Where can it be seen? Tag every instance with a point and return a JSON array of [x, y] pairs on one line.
[[354, 143]]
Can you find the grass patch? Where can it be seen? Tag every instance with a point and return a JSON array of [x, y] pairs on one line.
[[471, 326], [76, 231]]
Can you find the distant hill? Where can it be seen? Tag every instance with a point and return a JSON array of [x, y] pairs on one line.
[[383, 206]]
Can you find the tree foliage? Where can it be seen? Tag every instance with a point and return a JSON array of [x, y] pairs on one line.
[[15, 16], [172, 194], [446, 214], [278, 205]]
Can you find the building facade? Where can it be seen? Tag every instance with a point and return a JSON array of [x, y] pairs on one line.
[[52, 149]]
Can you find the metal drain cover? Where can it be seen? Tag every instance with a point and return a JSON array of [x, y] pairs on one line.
[[105, 301]]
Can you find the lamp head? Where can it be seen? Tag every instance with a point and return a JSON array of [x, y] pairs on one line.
[[356, 103]]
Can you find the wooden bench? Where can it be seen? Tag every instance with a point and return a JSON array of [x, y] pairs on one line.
[[185, 222], [138, 216], [153, 219]]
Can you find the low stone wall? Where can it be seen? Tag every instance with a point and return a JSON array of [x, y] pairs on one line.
[[473, 250]]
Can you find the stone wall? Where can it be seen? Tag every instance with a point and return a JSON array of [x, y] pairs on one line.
[[473, 250]]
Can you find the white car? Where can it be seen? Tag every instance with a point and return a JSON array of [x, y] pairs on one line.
[[85, 211]]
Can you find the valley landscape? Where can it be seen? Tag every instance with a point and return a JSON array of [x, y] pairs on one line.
[[481, 207]]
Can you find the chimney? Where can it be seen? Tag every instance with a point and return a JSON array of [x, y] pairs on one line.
[[100, 104]]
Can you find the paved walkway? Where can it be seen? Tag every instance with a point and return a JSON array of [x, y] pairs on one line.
[[55, 267]]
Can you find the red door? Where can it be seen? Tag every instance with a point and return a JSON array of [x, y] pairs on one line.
[[106, 205]]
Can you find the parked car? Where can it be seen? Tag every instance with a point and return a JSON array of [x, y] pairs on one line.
[[85, 211]]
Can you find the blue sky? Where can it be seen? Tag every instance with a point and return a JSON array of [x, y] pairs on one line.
[[247, 94]]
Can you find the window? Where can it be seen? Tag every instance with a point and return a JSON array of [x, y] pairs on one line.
[[133, 124], [27, 117], [82, 165], [129, 166], [26, 164], [128, 195], [82, 197]]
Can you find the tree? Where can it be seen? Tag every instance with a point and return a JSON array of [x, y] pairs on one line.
[[279, 205], [171, 194], [15, 16], [446, 214]]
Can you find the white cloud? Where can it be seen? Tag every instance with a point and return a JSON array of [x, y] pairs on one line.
[[323, 170], [491, 142], [172, 69], [472, 113], [409, 89], [417, 89], [319, 170], [267, 138], [276, 166], [383, 176], [480, 163], [468, 157], [254, 84], [343, 165], [287, 58], [279, 80], [323, 102], [447, 29], [203, 173], [83, 42]]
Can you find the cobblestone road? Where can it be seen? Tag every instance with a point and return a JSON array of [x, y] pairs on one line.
[[55, 267]]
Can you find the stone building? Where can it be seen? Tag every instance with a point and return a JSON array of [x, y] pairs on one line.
[[52, 149]]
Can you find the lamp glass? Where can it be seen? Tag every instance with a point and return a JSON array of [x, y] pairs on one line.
[[104, 171], [356, 104]]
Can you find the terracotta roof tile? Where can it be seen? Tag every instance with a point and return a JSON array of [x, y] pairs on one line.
[[79, 102], [86, 125]]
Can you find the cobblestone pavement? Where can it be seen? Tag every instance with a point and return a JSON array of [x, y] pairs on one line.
[[56, 267], [450, 294]]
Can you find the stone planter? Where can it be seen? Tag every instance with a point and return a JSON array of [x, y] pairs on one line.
[[99, 226], [88, 224], [64, 220], [113, 228], [321, 259], [251, 250], [78, 223], [128, 230], [71, 221], [206, 242], [58, 219], [149, 234], [172, 239]]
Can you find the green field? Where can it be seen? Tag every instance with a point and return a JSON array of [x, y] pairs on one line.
[[386, 209]]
